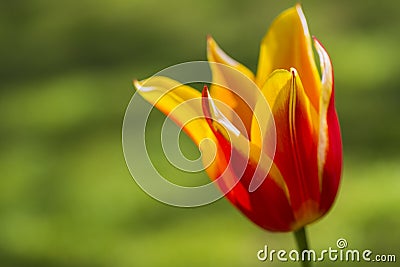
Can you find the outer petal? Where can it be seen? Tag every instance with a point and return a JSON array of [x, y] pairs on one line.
[[330, 142], [183, 103], [296, 150], [167, 94], [241, 105], [288, 45]]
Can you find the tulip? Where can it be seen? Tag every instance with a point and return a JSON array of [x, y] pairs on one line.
[[304, 175]]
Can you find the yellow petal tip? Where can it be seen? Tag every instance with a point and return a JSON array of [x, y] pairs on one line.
[[216, 54], [136, 84], [139, 85], [209, 39]]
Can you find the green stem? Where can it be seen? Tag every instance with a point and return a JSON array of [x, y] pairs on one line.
[[301, 240]]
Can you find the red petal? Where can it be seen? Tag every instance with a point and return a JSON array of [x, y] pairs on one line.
[[296, 150]]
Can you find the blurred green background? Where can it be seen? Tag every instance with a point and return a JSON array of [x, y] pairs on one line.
[[66, 196]]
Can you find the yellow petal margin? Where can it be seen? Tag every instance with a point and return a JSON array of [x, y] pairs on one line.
[[288, 45]]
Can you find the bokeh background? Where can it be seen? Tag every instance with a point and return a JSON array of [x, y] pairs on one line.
[[66, 195]]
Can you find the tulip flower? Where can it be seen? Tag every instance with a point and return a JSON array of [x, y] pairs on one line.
[[302, 183]]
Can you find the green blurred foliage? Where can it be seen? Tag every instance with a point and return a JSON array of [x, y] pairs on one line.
[[66, 196]]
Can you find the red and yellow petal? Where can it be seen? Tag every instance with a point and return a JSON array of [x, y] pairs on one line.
[[287, 45], [169, 97], [230, 80], [183, 105], [296, 148]]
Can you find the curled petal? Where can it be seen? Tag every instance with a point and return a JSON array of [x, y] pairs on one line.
[[330, 144]]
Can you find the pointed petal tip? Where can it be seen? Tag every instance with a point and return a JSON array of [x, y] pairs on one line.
[[136, 84], [325, 63], [299, 7], [318, 45], [293, 71], [205, 92], [303, 19], [139, 85], [216, 54], [206, 104], [316, 41], [210, 43]]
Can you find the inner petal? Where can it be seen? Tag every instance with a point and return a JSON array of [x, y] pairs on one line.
[[296, 123]]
